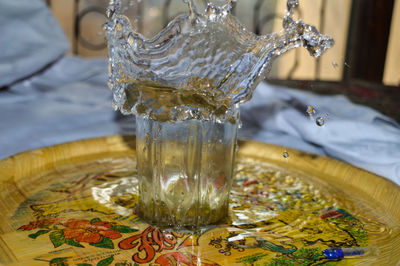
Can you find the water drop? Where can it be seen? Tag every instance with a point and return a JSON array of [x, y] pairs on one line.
[[230, 4], [191, 6], [110, 11], [292, 5], [285, 154], [320, 121], [335, 64], [347, 65], [131, 40], [310, 110]]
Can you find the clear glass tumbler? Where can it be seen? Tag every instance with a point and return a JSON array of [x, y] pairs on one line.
[[185, 170]]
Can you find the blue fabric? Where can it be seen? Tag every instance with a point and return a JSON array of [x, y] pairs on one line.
[[70, 101], [30, 39], [352, 133]]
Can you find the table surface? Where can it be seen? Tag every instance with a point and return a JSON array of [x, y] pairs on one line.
[[74, 204]]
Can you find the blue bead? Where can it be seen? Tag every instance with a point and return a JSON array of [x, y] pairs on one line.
[[333, 253]]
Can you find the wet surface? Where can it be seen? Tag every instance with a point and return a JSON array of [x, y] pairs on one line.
[[275, 217]]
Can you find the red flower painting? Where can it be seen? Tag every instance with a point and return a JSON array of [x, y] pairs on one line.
[[73, 232], [84, 231], [38, 224]]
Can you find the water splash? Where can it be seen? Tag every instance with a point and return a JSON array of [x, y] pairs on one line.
[[285, 154], [320, 121], [310, 111], [200, 65]]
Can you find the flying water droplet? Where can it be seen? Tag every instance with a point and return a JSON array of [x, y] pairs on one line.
[[292, 5], [346, 64], [320, 121], [335, 64], [110, 11], [310, 110], [230, 4], [285, 154]]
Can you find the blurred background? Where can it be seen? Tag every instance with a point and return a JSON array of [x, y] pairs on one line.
[[364, 64]]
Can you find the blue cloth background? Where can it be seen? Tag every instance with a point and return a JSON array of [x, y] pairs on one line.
[[71, 101], [30, 39]]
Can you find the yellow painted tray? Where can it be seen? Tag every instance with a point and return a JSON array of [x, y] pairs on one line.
[[74, 204]]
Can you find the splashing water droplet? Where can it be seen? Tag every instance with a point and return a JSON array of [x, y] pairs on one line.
[[310, 110], [335, 64], [110, 12], [291, 6], [285, 154], [346, 64], [320, 121]]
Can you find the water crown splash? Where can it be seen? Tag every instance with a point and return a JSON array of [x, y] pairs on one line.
[[200, 65]]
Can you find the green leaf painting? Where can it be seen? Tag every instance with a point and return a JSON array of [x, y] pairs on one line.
[[106, 261], [73, 242], [38, 233], [95, 220], [59, 261], [124, 229], [57, 238], [105, 243]]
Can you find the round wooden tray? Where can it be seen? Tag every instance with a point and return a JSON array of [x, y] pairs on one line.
[[74, 204]]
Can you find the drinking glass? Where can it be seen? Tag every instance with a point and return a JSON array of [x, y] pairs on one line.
[[185, 170]]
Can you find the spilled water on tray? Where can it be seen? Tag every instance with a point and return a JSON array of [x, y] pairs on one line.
[[278, 211]]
